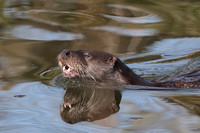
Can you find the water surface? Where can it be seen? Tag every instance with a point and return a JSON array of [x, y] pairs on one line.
[[157, 39]]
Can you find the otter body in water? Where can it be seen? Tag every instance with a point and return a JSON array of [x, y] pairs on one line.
[[99, 65]]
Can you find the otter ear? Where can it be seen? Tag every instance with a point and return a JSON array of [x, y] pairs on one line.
[[111, 60]]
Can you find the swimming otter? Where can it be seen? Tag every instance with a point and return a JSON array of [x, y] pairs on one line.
[[99, 65]]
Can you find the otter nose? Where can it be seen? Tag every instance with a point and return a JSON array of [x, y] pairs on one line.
[[66, 52]]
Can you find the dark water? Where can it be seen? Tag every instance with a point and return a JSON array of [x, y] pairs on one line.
[[157, 39]]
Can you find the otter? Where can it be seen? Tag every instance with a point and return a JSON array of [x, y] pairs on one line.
[[89, 104], [102, 66], [97, 65]]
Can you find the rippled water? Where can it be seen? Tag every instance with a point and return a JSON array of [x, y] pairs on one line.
[[157, 39]]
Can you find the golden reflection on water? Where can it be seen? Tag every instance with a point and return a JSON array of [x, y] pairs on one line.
[[192, 103]]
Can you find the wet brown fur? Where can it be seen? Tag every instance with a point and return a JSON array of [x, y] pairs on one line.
[[99, 65]]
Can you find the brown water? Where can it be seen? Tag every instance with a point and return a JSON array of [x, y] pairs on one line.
[[156, 38]]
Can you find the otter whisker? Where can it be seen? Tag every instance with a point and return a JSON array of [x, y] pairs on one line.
[[92, 76], [91, 72], [82, 71]]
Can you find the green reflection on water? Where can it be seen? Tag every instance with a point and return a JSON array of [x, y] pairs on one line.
[[179, 18]]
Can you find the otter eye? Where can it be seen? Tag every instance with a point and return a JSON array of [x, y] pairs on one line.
[[87, 56]]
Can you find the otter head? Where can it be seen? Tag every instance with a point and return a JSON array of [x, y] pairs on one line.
[[86, 64]]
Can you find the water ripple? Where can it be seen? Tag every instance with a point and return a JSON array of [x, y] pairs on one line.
[[51, 17], [145, 17], [126, 31], [33, 33]]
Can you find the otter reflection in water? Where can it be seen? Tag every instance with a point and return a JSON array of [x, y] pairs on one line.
[[99, 65], [89, 104]]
